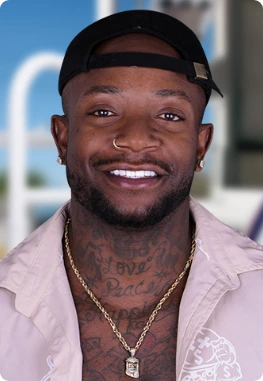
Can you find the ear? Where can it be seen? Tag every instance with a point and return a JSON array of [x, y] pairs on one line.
[[205, 136], [59, 130]]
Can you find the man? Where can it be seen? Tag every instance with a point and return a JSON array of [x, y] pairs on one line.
[[102, 291]]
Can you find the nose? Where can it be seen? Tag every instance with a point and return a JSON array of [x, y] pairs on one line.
[[136, 136]]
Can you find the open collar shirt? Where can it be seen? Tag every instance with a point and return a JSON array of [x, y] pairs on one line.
[[220, 329]]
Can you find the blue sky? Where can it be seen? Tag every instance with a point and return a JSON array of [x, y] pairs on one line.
[[28, 27]]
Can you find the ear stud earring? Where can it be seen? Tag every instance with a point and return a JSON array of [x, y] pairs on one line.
[[201, 163], [59, 160]]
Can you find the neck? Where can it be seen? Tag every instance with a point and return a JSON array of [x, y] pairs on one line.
[[123, 262]]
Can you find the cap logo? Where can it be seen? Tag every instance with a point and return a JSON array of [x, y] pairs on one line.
[[200, 71]]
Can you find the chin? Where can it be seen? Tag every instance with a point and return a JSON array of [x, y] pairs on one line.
[[96, 203]]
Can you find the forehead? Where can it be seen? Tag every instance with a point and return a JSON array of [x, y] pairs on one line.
[[137, 42]]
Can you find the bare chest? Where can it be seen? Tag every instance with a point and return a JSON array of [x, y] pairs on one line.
[[104, 357]]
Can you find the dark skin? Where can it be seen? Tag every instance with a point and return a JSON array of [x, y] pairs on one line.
[[156, 117]]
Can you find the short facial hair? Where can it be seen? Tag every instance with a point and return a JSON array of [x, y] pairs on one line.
[[94, 201]]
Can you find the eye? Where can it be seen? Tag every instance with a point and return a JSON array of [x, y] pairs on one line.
[[170, 116], [101, 113]]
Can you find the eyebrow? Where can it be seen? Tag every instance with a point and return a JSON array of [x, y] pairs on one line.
[[101, 89], [173, 93]]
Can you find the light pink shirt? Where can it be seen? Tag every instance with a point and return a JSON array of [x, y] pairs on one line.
[[220, 331]]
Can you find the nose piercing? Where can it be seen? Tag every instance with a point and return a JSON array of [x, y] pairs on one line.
[[115, 145]]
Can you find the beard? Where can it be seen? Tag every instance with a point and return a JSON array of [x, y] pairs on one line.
[[93, 200]]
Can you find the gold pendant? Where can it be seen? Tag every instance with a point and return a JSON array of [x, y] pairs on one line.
[[132, 365]]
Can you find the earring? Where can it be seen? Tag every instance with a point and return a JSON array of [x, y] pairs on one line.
[[201, 163], [59, 160]]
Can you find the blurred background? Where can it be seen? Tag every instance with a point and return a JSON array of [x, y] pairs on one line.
[[34, 37]]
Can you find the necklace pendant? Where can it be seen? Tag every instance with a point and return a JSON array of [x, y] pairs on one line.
[[132, 365]]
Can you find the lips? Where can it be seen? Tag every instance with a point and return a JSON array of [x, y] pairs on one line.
[[133, 170], [133, 176]]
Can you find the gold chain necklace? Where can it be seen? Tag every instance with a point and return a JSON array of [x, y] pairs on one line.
[[132, 363]]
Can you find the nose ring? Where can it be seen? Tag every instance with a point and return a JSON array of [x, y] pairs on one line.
[[115, 145]]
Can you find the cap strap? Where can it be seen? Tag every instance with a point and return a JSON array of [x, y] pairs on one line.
[[193, 70], [156, 61]]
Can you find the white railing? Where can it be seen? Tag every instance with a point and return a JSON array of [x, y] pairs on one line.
[[104, 8], [19, 195]]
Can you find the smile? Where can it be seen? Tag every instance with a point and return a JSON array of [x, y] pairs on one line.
[[133, 174]]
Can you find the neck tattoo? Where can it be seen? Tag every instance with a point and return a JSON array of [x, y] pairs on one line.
[[132, 363]]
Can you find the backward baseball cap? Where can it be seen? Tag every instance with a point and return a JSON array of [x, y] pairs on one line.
[[79, 55]]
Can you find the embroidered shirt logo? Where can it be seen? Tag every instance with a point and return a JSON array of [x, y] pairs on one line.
[[51, 366], [211, 358]]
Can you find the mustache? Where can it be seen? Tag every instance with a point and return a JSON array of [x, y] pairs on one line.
[[146, 159]]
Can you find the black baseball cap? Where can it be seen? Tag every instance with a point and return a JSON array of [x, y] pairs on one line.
[[79, 55]]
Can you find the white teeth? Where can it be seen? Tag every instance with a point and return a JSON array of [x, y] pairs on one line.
[[133, 174]]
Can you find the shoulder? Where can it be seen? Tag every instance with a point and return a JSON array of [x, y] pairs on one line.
[[221, 240], [24, 257]]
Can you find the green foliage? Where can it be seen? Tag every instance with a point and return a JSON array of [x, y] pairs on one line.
[[3, 183], [34, 180]]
